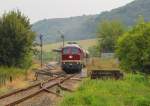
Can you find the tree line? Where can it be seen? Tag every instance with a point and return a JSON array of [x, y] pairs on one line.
[[131, 45]]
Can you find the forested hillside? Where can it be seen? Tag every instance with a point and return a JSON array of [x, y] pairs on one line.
[[73, 28], [129, 13], [84, 27]]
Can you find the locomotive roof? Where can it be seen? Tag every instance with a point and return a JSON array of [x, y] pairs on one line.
[[72, 45]]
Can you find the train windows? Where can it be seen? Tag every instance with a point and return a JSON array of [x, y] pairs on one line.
[[66, 51], [74, 51], [71, 50]]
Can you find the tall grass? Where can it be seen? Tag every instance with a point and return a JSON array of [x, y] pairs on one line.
[[11, 71], [7, 74], [100, 63], [133, 90]]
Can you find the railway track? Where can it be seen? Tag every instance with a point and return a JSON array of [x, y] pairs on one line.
[[22, 95]]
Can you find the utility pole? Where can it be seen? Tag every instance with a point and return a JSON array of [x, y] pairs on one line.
[[41, 45], [62, 36]]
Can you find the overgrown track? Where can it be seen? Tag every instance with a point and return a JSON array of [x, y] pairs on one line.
[[19, 96]]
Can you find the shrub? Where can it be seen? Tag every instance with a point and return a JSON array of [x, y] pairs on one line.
[[133, 48], [16, 40]]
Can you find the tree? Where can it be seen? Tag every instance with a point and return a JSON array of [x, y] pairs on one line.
[[16, 39], [133, 48], [108, 33], [94, 51]]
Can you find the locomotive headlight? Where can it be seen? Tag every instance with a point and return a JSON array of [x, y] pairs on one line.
[[70, 57]]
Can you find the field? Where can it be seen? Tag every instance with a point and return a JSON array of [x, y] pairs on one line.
[[84, 43]]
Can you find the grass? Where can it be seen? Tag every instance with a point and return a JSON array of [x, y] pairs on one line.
[[47, 57], [101, 63], [84, 43], [20, 78], [14, 72], [133, 90]]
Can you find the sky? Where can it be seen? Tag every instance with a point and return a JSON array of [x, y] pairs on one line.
[[42, 9]]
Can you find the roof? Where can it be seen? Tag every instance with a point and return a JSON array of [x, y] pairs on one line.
[[72, 45]]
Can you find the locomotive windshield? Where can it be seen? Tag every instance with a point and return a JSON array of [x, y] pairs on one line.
[[74, 51], [66, 51], [71, 50]]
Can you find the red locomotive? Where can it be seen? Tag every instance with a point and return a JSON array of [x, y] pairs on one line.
[[74, 58]]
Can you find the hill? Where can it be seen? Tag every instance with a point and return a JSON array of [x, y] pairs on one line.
[[84, 27], [128, 14], [74, 28]]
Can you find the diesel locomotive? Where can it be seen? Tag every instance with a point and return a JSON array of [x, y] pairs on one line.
[[73, 58]]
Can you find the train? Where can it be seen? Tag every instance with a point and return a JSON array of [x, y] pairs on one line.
[[73, 58]]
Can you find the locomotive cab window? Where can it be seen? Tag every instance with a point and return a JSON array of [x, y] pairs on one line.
[[75, 51], [66, 51]]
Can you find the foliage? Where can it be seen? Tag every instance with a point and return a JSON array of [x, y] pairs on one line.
[[94, 51], [16, 39], [133, 90], [108, 33], [12, 71], [133, 48]]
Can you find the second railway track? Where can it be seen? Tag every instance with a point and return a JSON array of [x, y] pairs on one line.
[[20, 96]]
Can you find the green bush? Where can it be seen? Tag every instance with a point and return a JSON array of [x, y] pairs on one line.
[[108, 33], [94, 51], [16, 40], [133, 48]]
